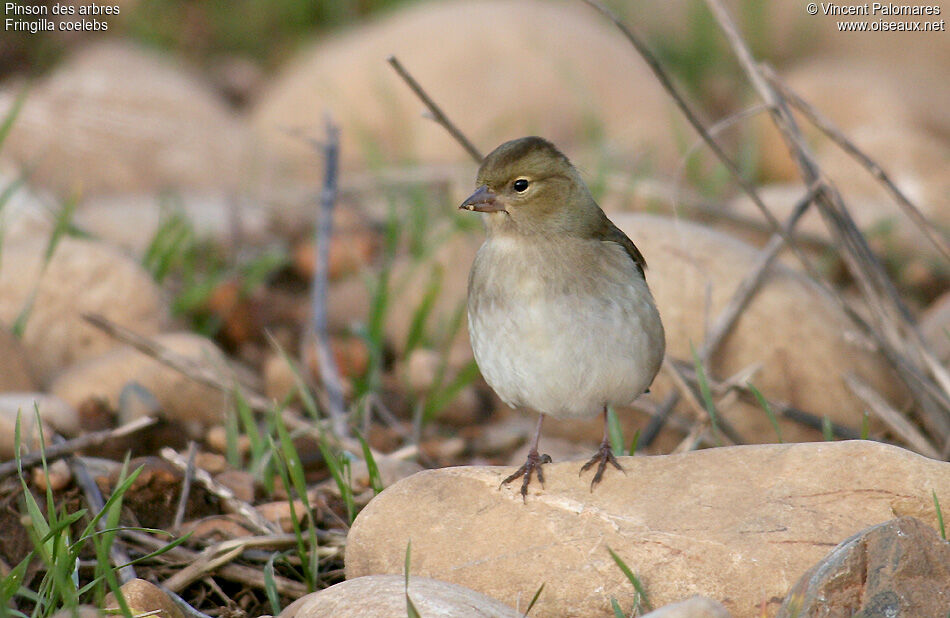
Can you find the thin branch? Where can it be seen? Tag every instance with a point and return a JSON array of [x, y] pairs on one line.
[[230, 502], [894, 329], [185, 487], [654, 64], [68, 447], [329, 374], [891, 417], [728, 316], [434, 109], [182, 364], [934, 234]]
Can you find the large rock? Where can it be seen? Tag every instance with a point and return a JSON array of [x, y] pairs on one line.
[[383, 596], [81, 277], [116, 118], [898, 568], [180, 398], [736, 524], [503, 70]]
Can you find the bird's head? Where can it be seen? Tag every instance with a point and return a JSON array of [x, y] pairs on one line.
[[528, 187]]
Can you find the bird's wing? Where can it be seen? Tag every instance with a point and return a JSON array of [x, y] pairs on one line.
[[612, 233]]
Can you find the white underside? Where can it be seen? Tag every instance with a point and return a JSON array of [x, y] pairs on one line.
[[562, 349]]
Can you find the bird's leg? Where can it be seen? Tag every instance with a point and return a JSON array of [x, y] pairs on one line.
[[604, 455], [532, 464]]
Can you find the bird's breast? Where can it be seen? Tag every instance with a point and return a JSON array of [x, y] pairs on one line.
[[562, 327]]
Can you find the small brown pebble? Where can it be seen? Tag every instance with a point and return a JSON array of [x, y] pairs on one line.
[[60, 476]]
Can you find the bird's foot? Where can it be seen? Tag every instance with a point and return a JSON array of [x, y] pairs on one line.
[[531, 465], [604, 455]]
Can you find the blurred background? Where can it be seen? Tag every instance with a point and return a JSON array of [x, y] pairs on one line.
[[163, 171], [186, 137]]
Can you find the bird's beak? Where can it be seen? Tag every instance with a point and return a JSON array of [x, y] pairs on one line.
[[483, 200]]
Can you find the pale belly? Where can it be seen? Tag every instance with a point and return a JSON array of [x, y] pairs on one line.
[[567, 352]]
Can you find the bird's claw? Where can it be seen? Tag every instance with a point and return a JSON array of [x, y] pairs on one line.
[[532, 465], [602, 457]]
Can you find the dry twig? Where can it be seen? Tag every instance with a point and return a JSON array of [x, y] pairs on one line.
[[329, 374], [434, 109], [891, 324], [68, 447], [229, 501], [934, 234], [891, 417]]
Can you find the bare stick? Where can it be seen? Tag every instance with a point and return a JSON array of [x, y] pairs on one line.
[[182, 364], [750, 284], [891, 417], [654, 64], [68, 447], [894, 329], [434, 109], [728, 316], [931, 231], [329, 374], [230, 502], [185, 488]]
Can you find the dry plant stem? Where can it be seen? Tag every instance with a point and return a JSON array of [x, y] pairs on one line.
[[826, 126], [229, 501], [673, 369], [727, 318], [68, 447], [218, 558], [184, 606], [208, 377], [117, 553], [891, 417], [185, 487], [893, 327], [690, 115], [182, 364], [329, 374], [434, 109]]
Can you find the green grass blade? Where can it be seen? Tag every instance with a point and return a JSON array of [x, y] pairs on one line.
[[444, 395], [632, 578], [768, 410], [411, 610], [866, 428], [7, 124], [618, 613], [270, 585], [372, 469], [707, 395], [534, 599], [827, 429], [943, 531], [635, 443], [614, 431], [421, 315]]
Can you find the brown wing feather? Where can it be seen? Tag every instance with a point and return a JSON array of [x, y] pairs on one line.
[[612, 233]]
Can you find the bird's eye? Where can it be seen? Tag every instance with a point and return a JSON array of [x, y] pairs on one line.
[[520, 185]]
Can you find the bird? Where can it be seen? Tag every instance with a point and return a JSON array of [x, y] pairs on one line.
[[560, 317]]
